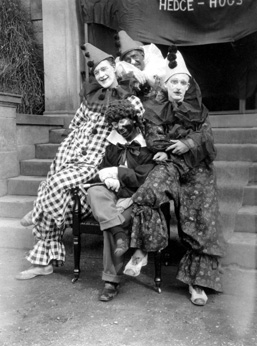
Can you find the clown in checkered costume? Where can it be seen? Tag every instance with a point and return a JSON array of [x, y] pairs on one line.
[[75, 164]]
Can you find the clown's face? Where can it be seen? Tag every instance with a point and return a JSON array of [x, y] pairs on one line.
[[126, 128], [135, 58], [177, 86], [105, 74]]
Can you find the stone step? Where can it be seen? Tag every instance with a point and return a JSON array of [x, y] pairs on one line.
[[221, 135], [14, 236], [230, 192], [15, 206], [36, 167], [28, 185], [228, 212], [250, 195], [246, 219], [253, 173], [46, 151], [236, 152], [24, 185], [22, 238], [241, 252], [56, 135], [226, 152], [233, 171], [235, 135], [235, 120], [225, 170], [231, 189]]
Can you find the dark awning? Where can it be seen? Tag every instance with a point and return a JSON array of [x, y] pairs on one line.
[[184, 22]]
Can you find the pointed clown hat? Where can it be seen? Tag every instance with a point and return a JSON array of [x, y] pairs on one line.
[[175, 63], [94, 55], [126, 44]]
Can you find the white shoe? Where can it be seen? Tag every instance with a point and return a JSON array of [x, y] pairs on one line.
[[198, 296], [34, 271], [133, 267]]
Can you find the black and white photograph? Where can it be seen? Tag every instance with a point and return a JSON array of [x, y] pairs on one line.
[[128, 172]]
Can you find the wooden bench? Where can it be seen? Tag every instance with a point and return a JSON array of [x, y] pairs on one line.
[[91, 226]]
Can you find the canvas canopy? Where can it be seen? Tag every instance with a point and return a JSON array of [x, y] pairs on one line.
[[184, 22]]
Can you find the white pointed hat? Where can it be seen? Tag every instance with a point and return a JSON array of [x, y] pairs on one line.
[[175, 63]]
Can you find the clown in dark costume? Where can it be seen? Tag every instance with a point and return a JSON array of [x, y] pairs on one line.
[[181, 126], [126, 164]]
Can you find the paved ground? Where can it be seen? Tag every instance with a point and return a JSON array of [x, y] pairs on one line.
[[53, 311]]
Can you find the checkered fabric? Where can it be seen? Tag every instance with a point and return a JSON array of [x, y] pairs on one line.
[[76, 163]]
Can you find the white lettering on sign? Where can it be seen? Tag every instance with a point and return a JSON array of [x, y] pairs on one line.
[[176, 5], [189, 5], [222, 3]]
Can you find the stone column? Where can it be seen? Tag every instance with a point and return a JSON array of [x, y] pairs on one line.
[[63, 60], [9, 164]]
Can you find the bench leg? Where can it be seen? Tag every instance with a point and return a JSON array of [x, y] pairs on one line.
[[158, 267], [76, 235], [76, 250]]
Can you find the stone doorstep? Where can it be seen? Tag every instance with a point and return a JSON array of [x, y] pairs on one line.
[[236, 152], [246, 219], [250, 195], [35, 167], [56, 135], [235, 135], [233, 171], [14, 236], [241, 247], [242, 250], [227, 172], [13, 206], [46, 151], [30, 119], [24, 185], [238, 120], [221, 135], [253, 173]]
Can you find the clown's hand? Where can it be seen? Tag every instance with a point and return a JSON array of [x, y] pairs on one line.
[[160, 156], [178, 147], [109, 172], [123, 68], [112, 184], [139, 75]]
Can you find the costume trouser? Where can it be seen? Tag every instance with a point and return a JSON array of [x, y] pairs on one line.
[[52, 212], [196, 206], [103, 204]]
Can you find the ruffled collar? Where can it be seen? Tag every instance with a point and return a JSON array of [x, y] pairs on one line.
[[95, 93], [115, 138], [191, 110]]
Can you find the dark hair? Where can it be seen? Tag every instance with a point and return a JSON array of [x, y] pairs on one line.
[[120, 109], [92, 65]]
